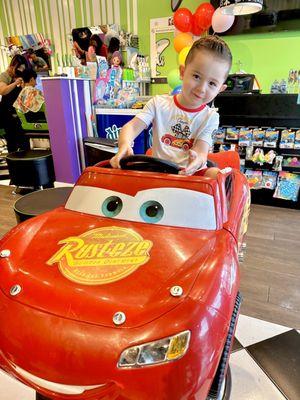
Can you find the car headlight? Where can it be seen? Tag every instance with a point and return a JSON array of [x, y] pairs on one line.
[[160, 351]]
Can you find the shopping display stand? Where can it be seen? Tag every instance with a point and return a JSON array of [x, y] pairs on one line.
[[278, 111]]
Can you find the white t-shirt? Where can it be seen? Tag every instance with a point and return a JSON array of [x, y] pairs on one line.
[[176, 129]]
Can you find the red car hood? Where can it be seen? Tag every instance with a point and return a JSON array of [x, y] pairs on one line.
[[62, 276]]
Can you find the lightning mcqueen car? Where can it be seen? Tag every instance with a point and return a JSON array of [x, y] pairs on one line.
[[130, 290]]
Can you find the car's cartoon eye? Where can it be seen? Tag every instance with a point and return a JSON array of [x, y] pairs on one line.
[[151, 211], [112, 206]]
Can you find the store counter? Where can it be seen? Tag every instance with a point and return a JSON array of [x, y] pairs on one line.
[[110, 122]]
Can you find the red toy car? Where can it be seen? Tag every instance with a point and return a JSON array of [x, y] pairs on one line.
[[129, 291]]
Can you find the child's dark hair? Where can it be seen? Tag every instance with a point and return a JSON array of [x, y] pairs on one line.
[[27, 74], [215, 45]]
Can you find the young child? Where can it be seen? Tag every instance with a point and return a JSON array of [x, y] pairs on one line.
[[183, 124], [30, 98]]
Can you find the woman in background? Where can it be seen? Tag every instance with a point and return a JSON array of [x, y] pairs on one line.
[[96, 48], [10, 86]]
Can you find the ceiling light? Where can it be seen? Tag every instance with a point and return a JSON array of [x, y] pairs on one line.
[[240, 7]]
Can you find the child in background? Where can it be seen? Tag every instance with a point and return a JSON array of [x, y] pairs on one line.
[[183, 124], [96, 48], [30, 99]]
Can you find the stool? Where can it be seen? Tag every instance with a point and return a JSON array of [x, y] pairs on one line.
[[35, 203], [31, 168]]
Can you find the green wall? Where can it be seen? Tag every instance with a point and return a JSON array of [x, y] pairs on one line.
[[268, 56]]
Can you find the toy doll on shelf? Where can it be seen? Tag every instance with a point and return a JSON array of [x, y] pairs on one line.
[[114, 76]]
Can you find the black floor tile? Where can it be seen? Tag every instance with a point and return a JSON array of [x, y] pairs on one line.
[[279, 357], [236, 345]]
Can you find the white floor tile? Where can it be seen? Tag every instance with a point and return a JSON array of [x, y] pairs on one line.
[[4, 182], [252, 330], [11, 389], [249, 382]]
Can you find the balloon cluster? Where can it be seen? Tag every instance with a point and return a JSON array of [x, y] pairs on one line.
[[196, 24]]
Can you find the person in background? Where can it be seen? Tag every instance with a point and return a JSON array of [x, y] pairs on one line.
[[30, 99], [10, 87], [81, 40], [183, 124], [37, 63], [96, 48], [114, 45]]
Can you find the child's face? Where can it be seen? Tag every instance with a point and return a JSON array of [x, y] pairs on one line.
[[32, 82], [202, 79]]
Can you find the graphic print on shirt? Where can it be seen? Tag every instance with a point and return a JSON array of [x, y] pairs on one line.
[[180, 136]]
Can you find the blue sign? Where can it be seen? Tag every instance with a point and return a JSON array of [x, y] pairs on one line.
[[109, 126]]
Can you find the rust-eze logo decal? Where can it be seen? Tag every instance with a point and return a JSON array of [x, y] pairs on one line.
[[102, 255]]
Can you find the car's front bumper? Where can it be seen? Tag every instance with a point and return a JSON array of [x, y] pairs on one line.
[[66, 359]]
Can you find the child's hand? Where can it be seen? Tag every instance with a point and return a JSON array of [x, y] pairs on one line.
[[196, 161], [124, 151]]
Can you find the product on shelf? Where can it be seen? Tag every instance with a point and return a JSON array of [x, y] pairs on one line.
[[219, 135], [258, 156], [288, 186], [232, 133], [287, 139], [297, 140], [245, 137], [254, 178], [271, 138], [291, 162], [278, 163], [269, 180], [258, 136]]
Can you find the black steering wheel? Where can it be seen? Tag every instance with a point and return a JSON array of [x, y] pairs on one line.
[[140, 162]]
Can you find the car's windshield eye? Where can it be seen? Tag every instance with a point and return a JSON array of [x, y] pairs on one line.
[[112, 206], [151, 211]]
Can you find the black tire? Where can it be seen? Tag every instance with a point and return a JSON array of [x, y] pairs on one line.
[[223, 367], [226, 390], [41, 397]]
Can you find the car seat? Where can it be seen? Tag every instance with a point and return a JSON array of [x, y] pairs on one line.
[[34, 167]]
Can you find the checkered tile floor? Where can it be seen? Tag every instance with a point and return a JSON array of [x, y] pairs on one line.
[[265, 364]]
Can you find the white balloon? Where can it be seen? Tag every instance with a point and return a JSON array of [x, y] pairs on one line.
[[221, 22]]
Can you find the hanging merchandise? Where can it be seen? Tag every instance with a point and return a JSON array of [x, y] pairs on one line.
[[254, 178], [240, 7], [258, 136], [297, 140], [245, 137], [269, 180], [287, 139], [278, 163], [101, 81], [287, 186], [269, 157], [258, 156], [271, 137]]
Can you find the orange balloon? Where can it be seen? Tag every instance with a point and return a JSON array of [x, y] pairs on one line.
[[182, 40]]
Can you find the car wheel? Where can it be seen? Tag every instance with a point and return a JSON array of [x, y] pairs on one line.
[[41, 397], [167, 141], [225, 388], [215, 392]]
